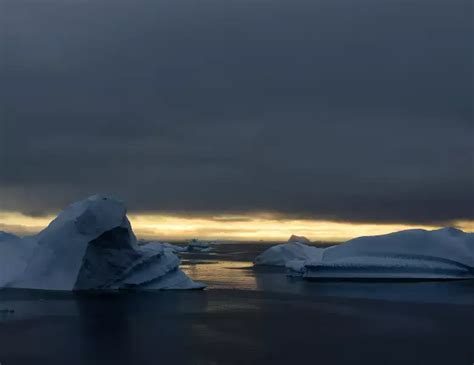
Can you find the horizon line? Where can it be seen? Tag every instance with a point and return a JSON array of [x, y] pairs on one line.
[[248, 228]]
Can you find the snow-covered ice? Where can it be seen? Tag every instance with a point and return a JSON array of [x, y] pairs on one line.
[[446, 253], [294, 250], [90, 245]]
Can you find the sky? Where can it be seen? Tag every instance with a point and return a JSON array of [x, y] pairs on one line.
[[239, 118]]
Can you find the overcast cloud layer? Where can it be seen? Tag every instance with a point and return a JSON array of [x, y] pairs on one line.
[[334, 109]]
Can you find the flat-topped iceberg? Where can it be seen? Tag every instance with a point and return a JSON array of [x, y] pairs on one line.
[[281, 255], [90, 245], [446, 253]]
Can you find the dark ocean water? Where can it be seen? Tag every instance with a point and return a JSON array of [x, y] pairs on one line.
[[246, 316]]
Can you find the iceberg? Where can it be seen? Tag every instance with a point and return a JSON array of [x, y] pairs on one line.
[[198, 246], [193, 246], [296, 267], [300, 239], [167, 245], [4, 236], [90, 246], [446, 253], [15, 253], [292, 252], [174, 248]]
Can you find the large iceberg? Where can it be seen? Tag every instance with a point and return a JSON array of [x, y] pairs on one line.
[[90, 245], [295, 250], [446, 253]]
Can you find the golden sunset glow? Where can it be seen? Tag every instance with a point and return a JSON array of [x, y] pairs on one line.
[[231, 227]]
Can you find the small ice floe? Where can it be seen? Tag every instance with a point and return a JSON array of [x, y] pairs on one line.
[[198, 246], [193, 246], [168, 246]]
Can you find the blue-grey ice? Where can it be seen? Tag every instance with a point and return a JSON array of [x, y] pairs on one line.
[[446, 253], [297, 249], [89, 246]]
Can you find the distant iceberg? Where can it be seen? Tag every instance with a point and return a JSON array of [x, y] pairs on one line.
[[193, 246], [295, 250], [446, 253], [90, 246], [166, 245], [198, 246], [300, 239]]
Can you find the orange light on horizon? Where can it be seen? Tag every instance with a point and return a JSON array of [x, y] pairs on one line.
[[252, 227]]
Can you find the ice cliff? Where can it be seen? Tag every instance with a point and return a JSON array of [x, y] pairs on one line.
[[7, 236], [90, 245]]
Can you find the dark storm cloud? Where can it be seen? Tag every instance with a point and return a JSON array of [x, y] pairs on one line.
[[345, 110]]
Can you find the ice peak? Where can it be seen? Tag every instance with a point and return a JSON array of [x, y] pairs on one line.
[[300, 239], [451, 231], [91, 216]]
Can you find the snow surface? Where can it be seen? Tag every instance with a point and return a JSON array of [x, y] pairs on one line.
[[281, 255], [90, 245], [446, 253]]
